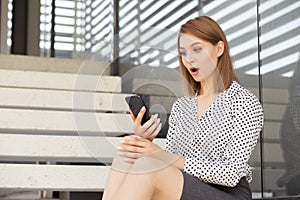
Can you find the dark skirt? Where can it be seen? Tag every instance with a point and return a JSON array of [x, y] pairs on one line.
[[194, 189]]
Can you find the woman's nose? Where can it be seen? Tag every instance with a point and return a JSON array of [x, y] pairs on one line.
[[189, 57]]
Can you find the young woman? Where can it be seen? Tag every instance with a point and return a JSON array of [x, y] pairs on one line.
[[212, 131]]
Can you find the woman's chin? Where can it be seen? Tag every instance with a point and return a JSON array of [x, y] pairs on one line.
[[198, 78]]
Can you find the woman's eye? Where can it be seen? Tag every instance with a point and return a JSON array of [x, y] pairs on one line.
[[197, 49], [182, 53]]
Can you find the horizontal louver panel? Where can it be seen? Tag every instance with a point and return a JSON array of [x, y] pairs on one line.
[[148, 30]]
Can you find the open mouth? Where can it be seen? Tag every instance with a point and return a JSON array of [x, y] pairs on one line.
[[194, 69]]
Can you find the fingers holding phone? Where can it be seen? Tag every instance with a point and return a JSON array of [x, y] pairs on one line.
[[150, 129], [138, 119], [145, 125], [136, 104]]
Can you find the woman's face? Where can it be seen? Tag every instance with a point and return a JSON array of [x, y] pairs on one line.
[[199, 56]]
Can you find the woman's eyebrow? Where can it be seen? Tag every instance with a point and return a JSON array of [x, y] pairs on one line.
[[195, 43]]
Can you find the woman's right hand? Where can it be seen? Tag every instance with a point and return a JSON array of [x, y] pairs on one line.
[[148, 130]]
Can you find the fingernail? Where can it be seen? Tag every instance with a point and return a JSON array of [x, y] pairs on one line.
[[121, 141], [126, 159], [155, 116], [119, 147], [143, 108], [158, 120]]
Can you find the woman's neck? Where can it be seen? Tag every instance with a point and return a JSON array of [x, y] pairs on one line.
[[208, 88]]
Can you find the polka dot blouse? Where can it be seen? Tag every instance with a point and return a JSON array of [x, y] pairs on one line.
[[217, 146]]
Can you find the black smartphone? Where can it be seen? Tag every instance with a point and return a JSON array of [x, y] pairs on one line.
[[135, 104]]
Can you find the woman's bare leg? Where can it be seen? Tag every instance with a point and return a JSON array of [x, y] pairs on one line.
[[117, 174], [151, 179]]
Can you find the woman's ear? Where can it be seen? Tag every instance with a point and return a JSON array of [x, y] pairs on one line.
[[220, 48]]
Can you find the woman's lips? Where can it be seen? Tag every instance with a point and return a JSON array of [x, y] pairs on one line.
[[194, 71]]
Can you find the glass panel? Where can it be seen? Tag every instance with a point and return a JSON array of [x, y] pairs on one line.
[[148, 33], [9, 26], [88, 24], [280, 44], [239, 21], [45, 27], [148, 30], [98, 33]]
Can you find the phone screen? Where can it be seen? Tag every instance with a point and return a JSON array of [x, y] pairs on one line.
[[136, 103]]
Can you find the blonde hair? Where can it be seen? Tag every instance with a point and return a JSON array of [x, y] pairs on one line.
[[207, 29]]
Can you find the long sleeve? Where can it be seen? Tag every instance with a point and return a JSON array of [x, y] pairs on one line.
[[233, 164], [171, 135]]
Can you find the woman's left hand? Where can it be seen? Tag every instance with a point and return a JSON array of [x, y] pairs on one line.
[[148, 130], [133, 147]]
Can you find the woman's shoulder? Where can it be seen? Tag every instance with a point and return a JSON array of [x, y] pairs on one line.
[[243, 95], [183, 99], [182, 102], [242, 92]]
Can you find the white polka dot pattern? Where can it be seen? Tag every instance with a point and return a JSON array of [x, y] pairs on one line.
[[217, 146]]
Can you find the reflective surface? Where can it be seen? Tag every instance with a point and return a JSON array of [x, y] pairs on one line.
[[239, 21], [274, 79], [280, 72]]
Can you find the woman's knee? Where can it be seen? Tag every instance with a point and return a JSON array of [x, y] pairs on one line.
[[147, 164], [161, 177]]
